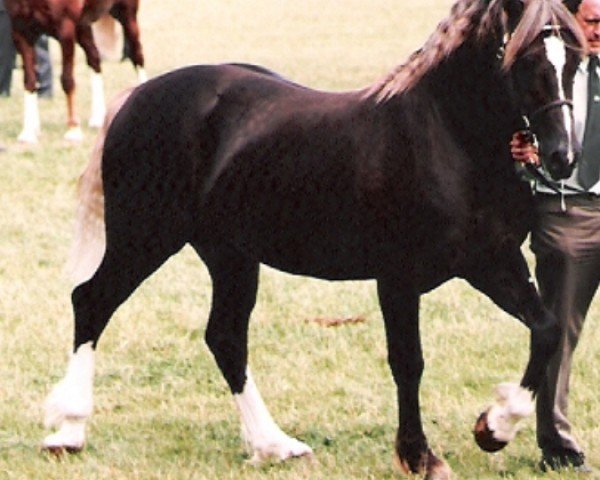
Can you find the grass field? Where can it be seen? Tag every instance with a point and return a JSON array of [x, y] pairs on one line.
[[162, 409]]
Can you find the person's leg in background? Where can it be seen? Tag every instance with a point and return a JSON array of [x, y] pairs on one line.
[[43, 68], [7, 53]]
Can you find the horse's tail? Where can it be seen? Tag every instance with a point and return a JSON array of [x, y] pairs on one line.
[[108, 37], [89, 243]]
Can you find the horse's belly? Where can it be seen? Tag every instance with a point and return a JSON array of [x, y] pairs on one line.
[[301, 246], [316, 236]]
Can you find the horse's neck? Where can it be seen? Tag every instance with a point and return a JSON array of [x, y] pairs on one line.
[[474, 100]]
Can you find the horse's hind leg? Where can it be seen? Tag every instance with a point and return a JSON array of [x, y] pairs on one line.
[[124, 266], [85, 38], [235, 281], [126, 14]]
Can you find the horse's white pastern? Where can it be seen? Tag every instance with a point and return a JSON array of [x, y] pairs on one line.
[[262, 435]]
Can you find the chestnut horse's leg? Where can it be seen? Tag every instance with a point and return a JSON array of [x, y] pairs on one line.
[[126, 14], [235, 281], [85, 38], [400, 307], [66, 38], [504, 277], [31, 117]]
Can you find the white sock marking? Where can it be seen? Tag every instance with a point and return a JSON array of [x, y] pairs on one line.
[[142, 75], [71, 401], [74, 134], [98, 102], [263, 436], [513, 403], [31, 119]]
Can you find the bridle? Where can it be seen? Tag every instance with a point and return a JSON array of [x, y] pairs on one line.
[[554, 29], [558, 103]]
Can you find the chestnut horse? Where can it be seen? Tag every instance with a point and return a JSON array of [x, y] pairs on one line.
[[70, 22], [408, 181]]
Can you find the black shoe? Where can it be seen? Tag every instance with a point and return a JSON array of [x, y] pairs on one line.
[[564, 459]]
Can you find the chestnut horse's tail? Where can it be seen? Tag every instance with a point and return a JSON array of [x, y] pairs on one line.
[[89, 243], [108, 36]]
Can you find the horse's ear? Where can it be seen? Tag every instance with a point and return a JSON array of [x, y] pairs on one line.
[[572, 5], [514, 10]]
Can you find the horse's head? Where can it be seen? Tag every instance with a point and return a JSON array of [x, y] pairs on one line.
[[543, 49]]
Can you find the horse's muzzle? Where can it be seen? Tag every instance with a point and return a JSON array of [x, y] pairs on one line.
[[561, 163]]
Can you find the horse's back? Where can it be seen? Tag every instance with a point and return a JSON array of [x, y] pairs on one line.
[[211, 109]]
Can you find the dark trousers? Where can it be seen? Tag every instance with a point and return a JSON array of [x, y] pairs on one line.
[[43, 67], [7, 54], [566, 245]]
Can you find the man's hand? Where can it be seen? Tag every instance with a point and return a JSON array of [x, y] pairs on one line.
[[523, 150]]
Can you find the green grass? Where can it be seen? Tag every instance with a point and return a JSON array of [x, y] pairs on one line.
[[162, 408]]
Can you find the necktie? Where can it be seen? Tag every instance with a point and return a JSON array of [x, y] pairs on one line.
[[589, 167]]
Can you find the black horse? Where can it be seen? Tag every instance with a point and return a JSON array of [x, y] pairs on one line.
[[409, 182]]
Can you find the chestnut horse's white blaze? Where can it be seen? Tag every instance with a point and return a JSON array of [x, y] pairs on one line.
[[557, 56], [71, 402], [263, 436]]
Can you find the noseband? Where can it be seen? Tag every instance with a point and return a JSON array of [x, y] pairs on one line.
[[558, 103]]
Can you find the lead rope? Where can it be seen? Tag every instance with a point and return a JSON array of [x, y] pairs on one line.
[[538, 177]]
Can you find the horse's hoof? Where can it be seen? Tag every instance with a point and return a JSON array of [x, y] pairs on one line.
[[432, 468], [70, 439], [96, 121], [54, 451], [74, 134], [438, 470], [59, 451], [286, 449], [484, 436], [28, 138]]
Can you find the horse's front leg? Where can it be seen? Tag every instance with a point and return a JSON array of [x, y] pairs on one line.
[[400, 307], [31, 116], [505, 278], [235, 282]]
